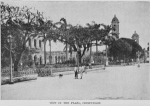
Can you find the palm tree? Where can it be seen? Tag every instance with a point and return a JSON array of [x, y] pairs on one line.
[[95, 35], [64, 26], [106, 38], [44, 28]]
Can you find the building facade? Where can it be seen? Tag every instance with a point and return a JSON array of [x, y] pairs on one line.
[[37, 44], [51, 58], [59, 57]]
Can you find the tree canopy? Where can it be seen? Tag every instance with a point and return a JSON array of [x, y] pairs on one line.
[[22, 24], [124, 47], [26, 23]]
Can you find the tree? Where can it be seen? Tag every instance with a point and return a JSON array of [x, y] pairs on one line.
[[26, 58], [106, 38], [135, 46], [76, 36], [44, 28], [124, 47], [95, 33], [64, 29], [21, 24]]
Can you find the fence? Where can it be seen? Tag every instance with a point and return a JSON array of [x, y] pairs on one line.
[[49, 71], [21, 72], [20, 75], [42, 72]]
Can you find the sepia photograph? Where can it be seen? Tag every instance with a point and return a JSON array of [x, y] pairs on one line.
[[75, 50]]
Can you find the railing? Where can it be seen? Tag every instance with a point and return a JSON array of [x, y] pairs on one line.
[[20, 75], [21, 72], [49, 71], [44, 72]]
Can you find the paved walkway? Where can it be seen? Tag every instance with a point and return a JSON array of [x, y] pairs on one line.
[[128, 82]]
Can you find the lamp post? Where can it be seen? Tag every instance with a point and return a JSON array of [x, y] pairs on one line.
[[138, 60], [10, 39]]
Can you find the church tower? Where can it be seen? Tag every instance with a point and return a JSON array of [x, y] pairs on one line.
[[115, 26], [135, 37]]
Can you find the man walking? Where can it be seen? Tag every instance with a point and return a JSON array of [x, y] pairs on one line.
[[76, 72]]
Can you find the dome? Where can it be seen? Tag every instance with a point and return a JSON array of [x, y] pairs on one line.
[[135, 35], [115, 19]]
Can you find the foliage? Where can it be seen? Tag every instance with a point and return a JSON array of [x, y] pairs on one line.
[[124, 48], [21, 24], [26, 57], [80, 38], [45, 28], [87, 59]]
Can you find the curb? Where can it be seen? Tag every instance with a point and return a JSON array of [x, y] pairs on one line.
[[19, 79]]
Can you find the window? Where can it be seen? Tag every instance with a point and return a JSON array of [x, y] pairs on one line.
[[34, 42], [39, 43], [35, 58], [40, 60], [56, 59], [29, 42], [50, 59]]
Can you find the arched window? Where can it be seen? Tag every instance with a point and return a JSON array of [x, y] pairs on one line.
[[40, 43], [30, 42], [50, 59], [59, 59], [56, 59], [34, 42], [40, 60], [35, 58]]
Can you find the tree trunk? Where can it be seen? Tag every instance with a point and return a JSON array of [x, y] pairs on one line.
[[50, 52], [96, 47], [66, 51], [106, 56], [17, 62], [16, 66], [70, 51], [44, 52], [91, 52], [79, 56], [71, 55]]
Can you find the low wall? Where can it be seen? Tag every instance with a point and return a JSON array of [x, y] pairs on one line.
[[42, 72], [21, 75], [6, 80]]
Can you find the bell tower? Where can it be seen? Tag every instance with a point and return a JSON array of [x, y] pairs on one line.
[[135, 37], [115, 26]]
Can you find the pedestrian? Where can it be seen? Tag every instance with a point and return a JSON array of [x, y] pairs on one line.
[[76, 72], [81, 70], [85, 69], [90, 67]]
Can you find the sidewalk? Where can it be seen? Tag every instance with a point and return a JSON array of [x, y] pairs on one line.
[[93, 69], [72, 72]]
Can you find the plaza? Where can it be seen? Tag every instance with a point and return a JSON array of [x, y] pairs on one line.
[[113, 83], [45, 46]]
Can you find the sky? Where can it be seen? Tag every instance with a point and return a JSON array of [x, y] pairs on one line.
[[132, 15]]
